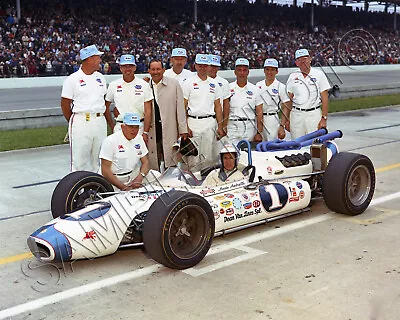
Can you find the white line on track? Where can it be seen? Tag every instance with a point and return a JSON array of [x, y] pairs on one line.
[[237, 244]]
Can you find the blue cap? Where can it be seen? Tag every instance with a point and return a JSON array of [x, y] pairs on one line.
[[127, 59], [89, 51], [179, 52], [132, 119], [201, 58], [242, 62], [301, 53], [271, 63], [214, 60]]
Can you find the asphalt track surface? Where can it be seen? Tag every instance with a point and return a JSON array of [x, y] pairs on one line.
[[317, 265], [49, 97]]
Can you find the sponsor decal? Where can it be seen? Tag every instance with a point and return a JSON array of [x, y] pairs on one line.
[[90, 235], [237, 204], [245, 197], [138, 86], [208, 191], [230, 211], [269, 170], [247, 205], [219, 197], [256, 203], [227, 219], [121, 148], [253, 194], [215, 206], [221, 211], [229, 195], [299, 185], [216, 215], [302, 194], [275, 91], [137, 146], [294, 197], [226, 204]]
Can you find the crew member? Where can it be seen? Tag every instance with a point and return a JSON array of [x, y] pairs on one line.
[[124, 155]]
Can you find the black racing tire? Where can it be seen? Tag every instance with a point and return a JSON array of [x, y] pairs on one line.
[[349, 183], [178, 229], [76, 190]]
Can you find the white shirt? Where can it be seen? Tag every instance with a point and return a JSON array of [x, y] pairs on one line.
[[201, 95], [181, 78], [271, 96], [224, 85], [123, 153], [243, 101], [86, 91], [129, 96], [307, 90]]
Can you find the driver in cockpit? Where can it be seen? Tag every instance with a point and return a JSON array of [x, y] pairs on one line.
[[228, 171]]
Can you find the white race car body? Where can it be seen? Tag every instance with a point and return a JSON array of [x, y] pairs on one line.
[[284, 187]]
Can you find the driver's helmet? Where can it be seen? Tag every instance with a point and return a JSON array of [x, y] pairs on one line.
[[229, 148]]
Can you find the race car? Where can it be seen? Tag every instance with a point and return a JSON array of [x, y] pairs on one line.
[[176, 216]]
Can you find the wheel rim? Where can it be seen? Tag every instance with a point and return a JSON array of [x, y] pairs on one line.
[[359, 185], [86, 194], [188, 232]]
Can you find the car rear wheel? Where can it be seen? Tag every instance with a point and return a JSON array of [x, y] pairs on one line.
[[178, 229], [349, 183], [76, 190]]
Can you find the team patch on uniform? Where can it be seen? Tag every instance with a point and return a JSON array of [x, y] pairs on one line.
[[119, 88], [121, 148], [137, 146], [98, 80], [139, 153], [275, 91], [313, 79], [212, 85], [82, 83], [220, 84], [138, 86], [250, 93], [299, 185]]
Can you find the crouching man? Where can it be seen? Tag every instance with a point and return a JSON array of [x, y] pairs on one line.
[[124, 155]]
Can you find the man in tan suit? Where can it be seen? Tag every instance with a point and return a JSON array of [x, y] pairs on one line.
[[169, 117]]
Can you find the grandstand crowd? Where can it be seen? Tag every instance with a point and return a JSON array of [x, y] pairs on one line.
[[48, 37]]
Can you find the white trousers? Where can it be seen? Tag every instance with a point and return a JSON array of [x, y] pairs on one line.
[[271, 126], [86, 136], [239, 130], [303, 122], [204, 137]]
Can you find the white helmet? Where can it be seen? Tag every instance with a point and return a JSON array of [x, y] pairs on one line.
[[229, 148]]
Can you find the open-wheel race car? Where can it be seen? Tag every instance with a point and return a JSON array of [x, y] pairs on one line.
[[176, 217]]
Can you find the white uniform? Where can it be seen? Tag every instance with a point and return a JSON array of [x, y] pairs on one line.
[[129, 97], [181, 78], [201, 96], [271, 98], [306, 110], [87, 125], [242, 116], [213, 179], [224, 85], [124, 154]]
